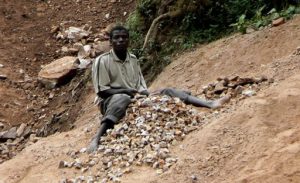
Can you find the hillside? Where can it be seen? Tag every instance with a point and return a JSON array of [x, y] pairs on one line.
[[27, 44], [251, 139]]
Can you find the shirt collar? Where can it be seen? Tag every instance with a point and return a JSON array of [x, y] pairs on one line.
[[117, 59]]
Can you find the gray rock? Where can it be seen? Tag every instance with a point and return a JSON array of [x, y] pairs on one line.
[[219, 88], [78, 164], [76, 33], [21, 130], [10, 134], [238, 90], [3, 76], [62, 164], [27, 131], [1, 125], [83, 150], [85, 51], [101, 47], [92, 163], [33, 138], [249, 93], [84, 169], [84, 63], [194, 177], [51, 95], [80, 179], [297, 52]]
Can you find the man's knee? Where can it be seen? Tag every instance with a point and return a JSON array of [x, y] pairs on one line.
[[168, 91], [119, 102], [175, 93], [117, 107], [124, 98]]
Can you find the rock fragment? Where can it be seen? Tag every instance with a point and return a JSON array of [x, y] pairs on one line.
[[194, 177], [248, 93], [58, 72], [21, 130], [3, 76], [10, 134], [76, 33], [278, 21], [297, 52]]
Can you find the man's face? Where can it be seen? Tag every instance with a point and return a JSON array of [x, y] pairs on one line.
[[119, 40]]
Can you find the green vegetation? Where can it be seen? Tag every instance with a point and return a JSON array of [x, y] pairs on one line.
[[261, 20], [162, 27]]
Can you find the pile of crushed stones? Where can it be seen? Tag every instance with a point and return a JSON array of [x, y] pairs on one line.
[[151, 126]]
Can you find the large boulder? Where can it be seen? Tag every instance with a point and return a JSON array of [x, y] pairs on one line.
[[58, 72]]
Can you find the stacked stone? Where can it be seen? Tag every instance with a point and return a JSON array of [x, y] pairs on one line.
[[81, 41], [80, 49], [235, 86]]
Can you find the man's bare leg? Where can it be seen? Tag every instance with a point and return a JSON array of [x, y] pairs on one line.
[[100, 132], [218, 103], [207, 103]]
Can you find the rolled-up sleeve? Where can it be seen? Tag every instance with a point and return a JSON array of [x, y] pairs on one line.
[[100, 76]]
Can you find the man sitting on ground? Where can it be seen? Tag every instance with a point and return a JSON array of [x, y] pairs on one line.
[[116, 78]]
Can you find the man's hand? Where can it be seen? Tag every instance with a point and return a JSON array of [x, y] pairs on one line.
[[144, 92], [130, 92]]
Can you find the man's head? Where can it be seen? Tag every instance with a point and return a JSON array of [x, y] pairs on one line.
[[119, 38]]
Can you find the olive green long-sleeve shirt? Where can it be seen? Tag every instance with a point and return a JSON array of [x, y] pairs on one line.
[[108, 71]]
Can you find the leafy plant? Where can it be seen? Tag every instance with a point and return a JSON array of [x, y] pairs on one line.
[[241, 24], [288, 13]]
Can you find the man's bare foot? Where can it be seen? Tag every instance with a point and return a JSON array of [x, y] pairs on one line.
[[218, 103], [93, 146]]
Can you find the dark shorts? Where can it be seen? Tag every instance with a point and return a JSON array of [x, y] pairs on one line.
[[114, 107]]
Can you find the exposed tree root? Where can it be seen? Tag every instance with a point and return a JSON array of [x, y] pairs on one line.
[[180, 7]]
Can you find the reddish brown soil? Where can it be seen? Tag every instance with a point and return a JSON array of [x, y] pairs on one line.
[[26, 44]]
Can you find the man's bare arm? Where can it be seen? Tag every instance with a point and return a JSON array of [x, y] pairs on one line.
[[110, 92]]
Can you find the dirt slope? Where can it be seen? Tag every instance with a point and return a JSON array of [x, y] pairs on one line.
[[252, 140], [257, 141], [244, 55], [26, 44]]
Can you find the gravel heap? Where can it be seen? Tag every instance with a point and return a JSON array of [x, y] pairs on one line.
[[151, 126]]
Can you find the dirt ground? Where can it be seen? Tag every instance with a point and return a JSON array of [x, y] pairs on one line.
[[26, 44], [251, 140]]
